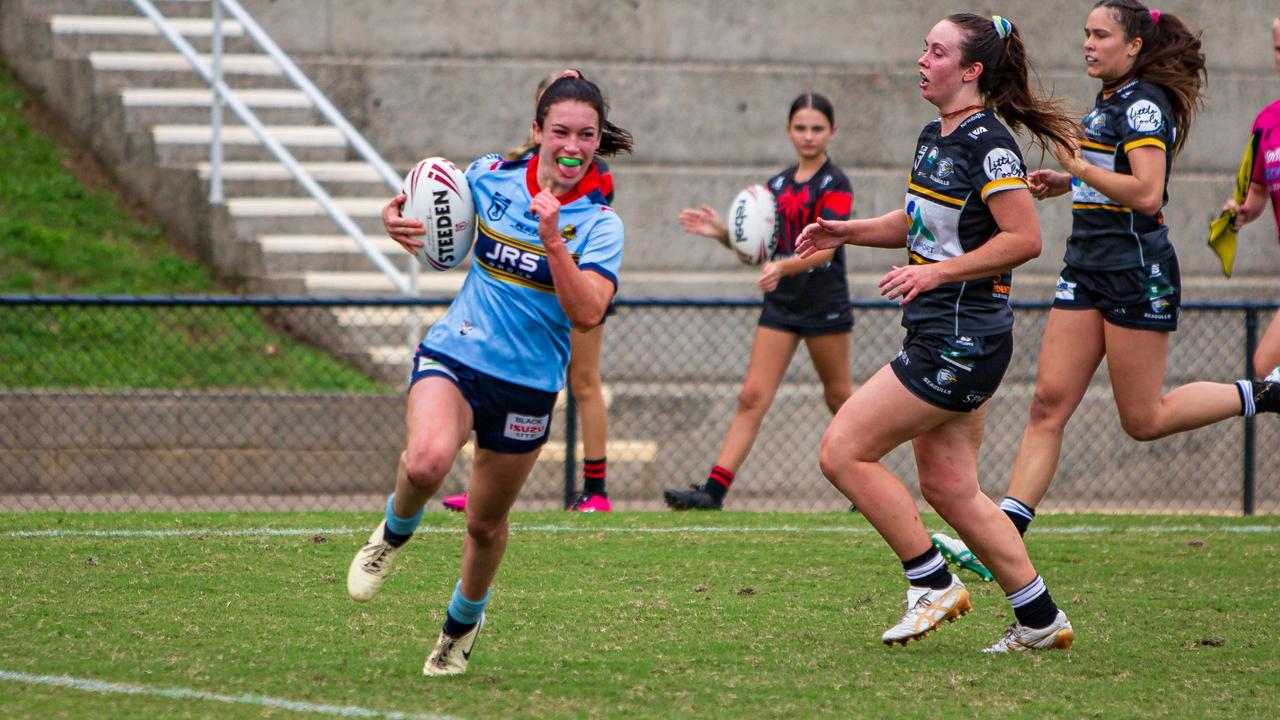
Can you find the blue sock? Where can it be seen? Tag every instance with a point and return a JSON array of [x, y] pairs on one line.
[[399, 530], [463, 614]]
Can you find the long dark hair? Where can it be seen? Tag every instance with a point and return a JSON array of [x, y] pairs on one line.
[[1170, 57], [813, 101], [613, 139], [1004, 82]]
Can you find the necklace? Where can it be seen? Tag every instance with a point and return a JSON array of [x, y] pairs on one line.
[[953, 113]]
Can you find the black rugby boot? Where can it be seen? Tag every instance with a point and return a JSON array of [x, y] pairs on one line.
[[697, 497], [1266, 396]]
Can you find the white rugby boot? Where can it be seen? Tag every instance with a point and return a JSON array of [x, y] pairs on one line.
[[1020, 638], [450, 655], [371, 566], [926, 610]]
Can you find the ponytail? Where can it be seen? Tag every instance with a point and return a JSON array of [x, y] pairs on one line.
[[1170, 57], [1004, 85]]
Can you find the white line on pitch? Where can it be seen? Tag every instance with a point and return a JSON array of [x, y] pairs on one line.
[[587, 529], [99, 686]]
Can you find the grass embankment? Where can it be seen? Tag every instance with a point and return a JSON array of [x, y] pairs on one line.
[[60, 235]]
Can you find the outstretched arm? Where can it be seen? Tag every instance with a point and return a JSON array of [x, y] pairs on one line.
[[887, 231], [705, 221]]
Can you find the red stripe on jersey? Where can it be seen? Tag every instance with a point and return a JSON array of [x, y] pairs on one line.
[[838, 202]]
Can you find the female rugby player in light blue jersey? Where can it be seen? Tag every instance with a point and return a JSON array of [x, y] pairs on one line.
[[584, 368], [968, 221], [546, 259]]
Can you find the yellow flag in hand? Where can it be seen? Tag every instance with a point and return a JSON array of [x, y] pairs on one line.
[[1222, 229]]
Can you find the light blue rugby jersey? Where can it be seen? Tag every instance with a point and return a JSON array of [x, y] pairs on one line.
[[506, 320]]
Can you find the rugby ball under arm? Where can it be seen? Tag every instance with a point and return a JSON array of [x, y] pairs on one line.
[[751, 225], [436, 192]]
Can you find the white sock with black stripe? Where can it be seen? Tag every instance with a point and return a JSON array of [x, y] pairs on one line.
[[1032, 604], [1019, 512], [929, 569], [1247, 407]]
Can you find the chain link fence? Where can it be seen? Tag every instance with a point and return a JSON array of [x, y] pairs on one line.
[[288, 404]]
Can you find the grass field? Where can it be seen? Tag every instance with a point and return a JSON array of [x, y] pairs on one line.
[[626, 615]]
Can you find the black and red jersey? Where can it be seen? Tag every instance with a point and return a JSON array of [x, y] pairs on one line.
[[828, 195]]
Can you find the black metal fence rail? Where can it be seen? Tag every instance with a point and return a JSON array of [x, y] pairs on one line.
[[127, 402]]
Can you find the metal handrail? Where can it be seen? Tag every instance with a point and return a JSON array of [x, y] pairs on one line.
[[224, 93], [317, 98]]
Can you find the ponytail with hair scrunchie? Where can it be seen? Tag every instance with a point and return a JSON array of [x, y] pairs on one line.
[[1004, 28], [1155, 16]]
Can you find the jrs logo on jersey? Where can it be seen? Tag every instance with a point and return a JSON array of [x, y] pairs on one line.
[[513, 259], [1145, 116], [526, 427]]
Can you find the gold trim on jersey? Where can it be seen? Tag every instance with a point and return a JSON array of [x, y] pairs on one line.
[[1091, 145], [918, 259], [1094, 206], [514, 279], [1002, 184], [1145, 142], [912, 187]]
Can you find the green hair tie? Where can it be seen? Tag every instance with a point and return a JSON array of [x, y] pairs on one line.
[[1004, 28]]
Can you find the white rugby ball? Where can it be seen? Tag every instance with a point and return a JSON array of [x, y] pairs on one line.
[[751, 225], [436, 192]]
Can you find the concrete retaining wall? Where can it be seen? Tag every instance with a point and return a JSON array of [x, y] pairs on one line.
[[324, 450]]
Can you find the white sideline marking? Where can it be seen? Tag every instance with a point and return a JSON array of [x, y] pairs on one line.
[[585, 529], [99, 686]]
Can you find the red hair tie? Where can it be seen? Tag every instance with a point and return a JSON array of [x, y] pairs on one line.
[[1155, 16]]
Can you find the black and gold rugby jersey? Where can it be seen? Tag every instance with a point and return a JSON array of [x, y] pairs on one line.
[[1106, 235], [947, 216]]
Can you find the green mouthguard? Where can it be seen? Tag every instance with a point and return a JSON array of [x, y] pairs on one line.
[[569, 162]]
